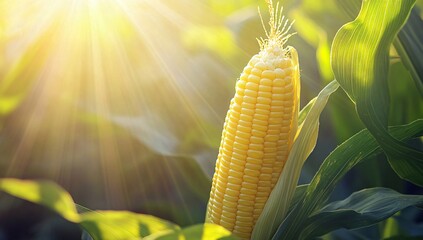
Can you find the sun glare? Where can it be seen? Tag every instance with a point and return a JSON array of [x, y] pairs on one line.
[[96, 63]]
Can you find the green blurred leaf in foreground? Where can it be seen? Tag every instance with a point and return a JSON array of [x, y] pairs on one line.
[[102, 225], [44, 193], [207, 231], [362, 208], [358, 148], [110, 225], [360, 61]]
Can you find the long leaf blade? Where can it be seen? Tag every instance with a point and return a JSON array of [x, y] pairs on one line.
[[362, 208], [360, 61]]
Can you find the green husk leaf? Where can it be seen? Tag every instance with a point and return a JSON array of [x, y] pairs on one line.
[[300, 191], [280, 199]]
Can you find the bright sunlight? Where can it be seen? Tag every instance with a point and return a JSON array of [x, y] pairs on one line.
[[110, 65]]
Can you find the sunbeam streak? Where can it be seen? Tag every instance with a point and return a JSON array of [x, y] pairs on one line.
[[96, 87]]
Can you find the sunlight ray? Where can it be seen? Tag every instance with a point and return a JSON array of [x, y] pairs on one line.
[[92, 61]]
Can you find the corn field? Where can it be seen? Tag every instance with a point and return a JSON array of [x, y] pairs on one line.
[[211, 119]]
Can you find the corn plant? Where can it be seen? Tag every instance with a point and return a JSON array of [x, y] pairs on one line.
[[267, 137]]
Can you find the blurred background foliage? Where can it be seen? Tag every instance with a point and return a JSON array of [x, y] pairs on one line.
[[123, 104]]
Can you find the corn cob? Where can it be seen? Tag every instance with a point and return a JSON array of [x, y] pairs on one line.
[[258, 132]]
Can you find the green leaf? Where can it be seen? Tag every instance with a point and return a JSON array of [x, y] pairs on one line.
[[45, 193], [349, 8], [281, 196], [360, 61], [101, 225], [207, 231], [362, 208], [300, 191], [303, 113], [358, 148], [113, 225]]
